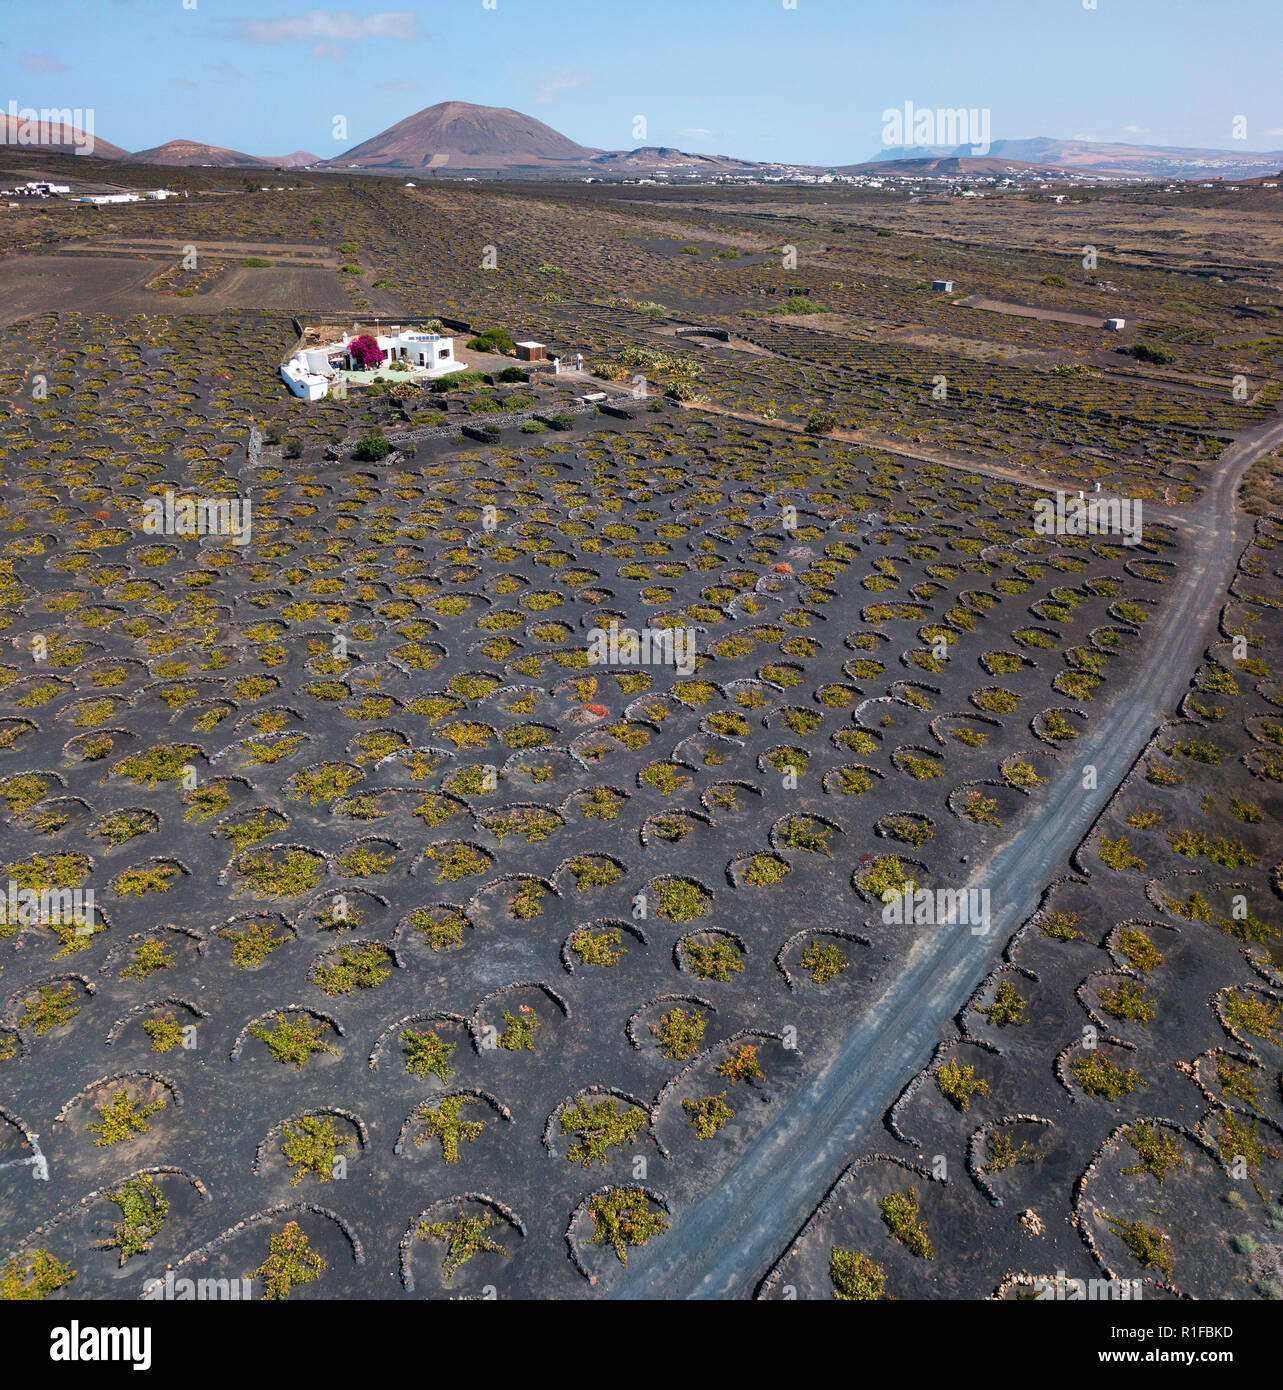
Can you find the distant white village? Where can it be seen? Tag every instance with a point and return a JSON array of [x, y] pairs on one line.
[[41, 188]]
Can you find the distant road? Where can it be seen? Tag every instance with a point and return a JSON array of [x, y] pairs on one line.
[[724, 1243]]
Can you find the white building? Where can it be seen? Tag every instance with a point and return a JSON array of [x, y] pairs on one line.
[[433, 352], [309, 378], [310, 372], [1115, 325], [98, 199], [37, 188]]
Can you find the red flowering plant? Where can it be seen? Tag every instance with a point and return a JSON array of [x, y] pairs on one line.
[[365, 352]]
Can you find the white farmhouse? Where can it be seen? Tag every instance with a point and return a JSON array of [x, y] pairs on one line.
[[310, 372], [431, 351]]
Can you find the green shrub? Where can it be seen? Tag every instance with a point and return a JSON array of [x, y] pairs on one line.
[[1151, 1248], [520, 1029], [290, 1261], [294, 1039], [442, 1122], [310, 1144], [679, 1033], [900, 1212], [427, 1054], [708, 1115], [958, 1083], [1158, 1150], [855, 1276], [46, 1010], [1139, 951], [823, 962], [821, 422], [681, 901], [621, 1217], [1128, 1002], [356, 969], [798, 304], [1001, 1153], [717, 960], [29, 1278], [492, 340], [372, 446], [599, 1126], [1151, 352], [121, 1120], [463, 1238], [1099, 1075], [1118, 854], [1008, 1006]]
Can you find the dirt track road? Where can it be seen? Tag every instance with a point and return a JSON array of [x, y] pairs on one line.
[[723, 1244]]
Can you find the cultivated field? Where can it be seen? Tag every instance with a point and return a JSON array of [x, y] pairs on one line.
[[497, 969]]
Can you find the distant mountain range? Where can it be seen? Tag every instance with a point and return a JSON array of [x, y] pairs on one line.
[[458, 137], [666, 159], [188, 153], [16, 135], [953, 166], [1115, 160]]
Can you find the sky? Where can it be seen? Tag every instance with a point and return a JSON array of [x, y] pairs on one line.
[[799, 81]]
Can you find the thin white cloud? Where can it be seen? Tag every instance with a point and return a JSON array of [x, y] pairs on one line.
[[40, 62], [552, 86], [1136, 129], [399, 84], [696, 132], [182, 82], [226, 70], [333, 26]]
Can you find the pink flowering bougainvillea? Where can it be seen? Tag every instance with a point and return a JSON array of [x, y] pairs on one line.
[[365, 352]]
